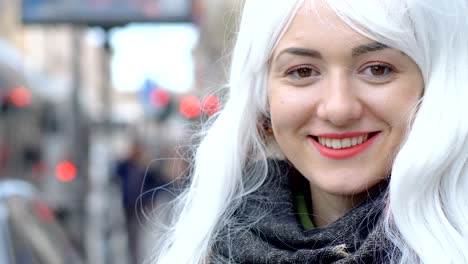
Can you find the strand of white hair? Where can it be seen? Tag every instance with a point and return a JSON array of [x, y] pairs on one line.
[[428, 207], [427, 216], [231, 144]]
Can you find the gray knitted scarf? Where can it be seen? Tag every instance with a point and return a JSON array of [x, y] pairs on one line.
[[265, 229]]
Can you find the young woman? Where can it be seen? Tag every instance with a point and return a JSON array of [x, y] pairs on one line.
[[343, 139]]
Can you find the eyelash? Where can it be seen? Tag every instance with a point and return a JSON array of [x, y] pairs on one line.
[[295, 70], [388, 70]]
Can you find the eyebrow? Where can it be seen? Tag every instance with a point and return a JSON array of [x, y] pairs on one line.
[[366, 48], [355, 52], [300, 52]]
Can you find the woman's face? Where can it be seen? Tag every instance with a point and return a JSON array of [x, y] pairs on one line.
[[339, 102]]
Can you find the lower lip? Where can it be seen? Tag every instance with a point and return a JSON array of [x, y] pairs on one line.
[[344, 153]]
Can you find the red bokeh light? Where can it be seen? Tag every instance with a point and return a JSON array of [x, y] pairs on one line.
[[66, 171], [44, 212], [20, 97], [38, 169], [190, 107], [159, 97], [210, 105]]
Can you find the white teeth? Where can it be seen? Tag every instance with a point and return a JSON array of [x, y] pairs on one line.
[[336, 144], [346, 143], [342, 143], [360, 139]]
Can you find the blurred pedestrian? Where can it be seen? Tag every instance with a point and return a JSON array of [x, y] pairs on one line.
[[138, 180]]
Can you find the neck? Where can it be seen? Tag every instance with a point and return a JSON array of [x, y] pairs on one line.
[[327, 208]]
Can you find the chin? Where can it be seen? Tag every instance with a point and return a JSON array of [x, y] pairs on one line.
[[341, 188], [345, 186]]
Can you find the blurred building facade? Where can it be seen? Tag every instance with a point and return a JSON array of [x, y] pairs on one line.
[[218, 24], [69, 69], [62, 71]]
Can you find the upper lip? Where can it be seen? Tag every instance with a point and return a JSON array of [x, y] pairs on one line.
[[345, 135]]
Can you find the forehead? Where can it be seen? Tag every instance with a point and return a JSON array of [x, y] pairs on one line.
[[318, 26]]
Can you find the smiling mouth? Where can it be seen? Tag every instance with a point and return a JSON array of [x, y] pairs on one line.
[[343, 143]]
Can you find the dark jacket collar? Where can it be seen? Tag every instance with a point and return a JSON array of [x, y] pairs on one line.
[[265, 229]]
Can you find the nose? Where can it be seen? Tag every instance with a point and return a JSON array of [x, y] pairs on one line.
[[339, 104]]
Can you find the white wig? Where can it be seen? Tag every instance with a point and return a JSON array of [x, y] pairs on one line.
[[427, 216]]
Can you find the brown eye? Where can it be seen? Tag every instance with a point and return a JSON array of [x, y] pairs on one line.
[[302, 72], [378, 70]]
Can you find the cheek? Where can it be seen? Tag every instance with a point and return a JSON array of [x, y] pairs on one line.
[[289, 110], [279, 112], [396, 105]]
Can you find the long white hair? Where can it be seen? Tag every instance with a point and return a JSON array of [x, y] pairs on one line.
[[427, 216]]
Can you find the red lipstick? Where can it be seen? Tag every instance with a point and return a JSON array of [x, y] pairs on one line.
[[344, 153]]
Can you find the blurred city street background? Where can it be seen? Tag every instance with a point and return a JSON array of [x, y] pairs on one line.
[[99, 101]]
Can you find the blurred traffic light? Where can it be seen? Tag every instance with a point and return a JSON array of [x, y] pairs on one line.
[[161, 101], [190, 107], [66, 171], [20, 97], [157, 101], [159, 97], [210, 105], [17, 98]]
